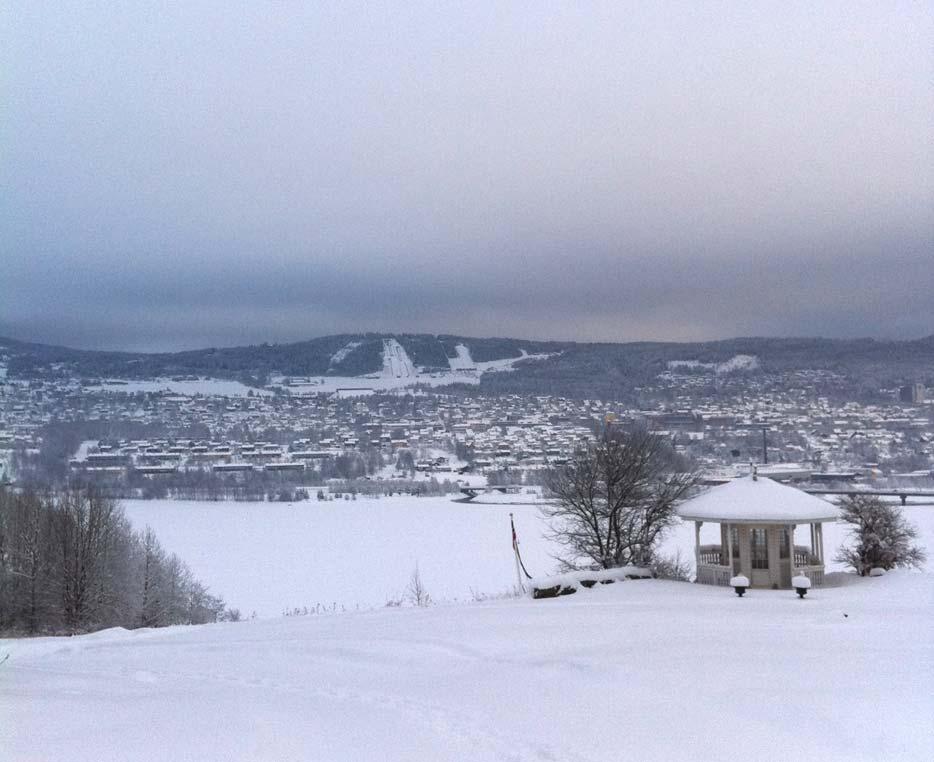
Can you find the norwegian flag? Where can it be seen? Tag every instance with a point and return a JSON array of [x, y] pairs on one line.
[[515, 548]]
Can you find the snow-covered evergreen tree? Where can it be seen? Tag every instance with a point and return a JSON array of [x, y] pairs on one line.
[[881, 537]]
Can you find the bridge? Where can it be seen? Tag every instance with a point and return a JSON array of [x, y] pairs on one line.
[[471, 492], [901, 494]]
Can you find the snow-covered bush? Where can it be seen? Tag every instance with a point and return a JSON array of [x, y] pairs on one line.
[[880, 536]]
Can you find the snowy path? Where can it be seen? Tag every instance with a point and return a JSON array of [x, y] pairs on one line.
[[641, 670]]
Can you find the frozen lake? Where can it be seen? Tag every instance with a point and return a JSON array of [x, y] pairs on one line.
[[268, 557]]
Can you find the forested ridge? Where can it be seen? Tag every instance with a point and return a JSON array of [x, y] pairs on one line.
[[600, 370]]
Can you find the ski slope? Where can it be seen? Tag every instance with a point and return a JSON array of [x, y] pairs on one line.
[[396, 361]]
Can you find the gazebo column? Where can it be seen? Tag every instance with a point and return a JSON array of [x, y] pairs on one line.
[[774, 556], [791, 550], [729, 546], [745, 562], [697, 526], [819, 548]]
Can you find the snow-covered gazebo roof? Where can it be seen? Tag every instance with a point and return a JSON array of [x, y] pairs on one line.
[[757, 500]]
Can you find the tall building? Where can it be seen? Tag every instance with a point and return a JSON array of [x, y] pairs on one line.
[[913, 393]]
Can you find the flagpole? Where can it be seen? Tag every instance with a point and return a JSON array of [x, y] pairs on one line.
[[515, 553]]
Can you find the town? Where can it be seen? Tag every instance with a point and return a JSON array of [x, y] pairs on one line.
[[204, 438]]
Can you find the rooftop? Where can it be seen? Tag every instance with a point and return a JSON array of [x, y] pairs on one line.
[[757, 500]]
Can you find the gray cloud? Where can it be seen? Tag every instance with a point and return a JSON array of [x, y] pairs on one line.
[[257, 172]]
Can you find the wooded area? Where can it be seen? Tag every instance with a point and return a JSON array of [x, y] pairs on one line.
[[70, 562]]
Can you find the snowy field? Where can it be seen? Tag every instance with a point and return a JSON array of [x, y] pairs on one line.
[[268, 557], [207, 387], [643, 670]]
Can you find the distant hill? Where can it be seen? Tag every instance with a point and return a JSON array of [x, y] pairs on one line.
[[600, 370]]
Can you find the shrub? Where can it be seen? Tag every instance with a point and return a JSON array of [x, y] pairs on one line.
[[880, 536]]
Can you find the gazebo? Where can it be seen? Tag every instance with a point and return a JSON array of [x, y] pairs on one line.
[[758, 518]]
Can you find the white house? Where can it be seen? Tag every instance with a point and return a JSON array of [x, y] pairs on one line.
[[758, 519]]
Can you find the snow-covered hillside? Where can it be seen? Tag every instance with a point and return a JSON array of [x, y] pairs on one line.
[[341, 354], [463, 360], [735, 363], [400, 372], [643, 670]]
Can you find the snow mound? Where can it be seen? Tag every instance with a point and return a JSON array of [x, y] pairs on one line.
[[572, 582]]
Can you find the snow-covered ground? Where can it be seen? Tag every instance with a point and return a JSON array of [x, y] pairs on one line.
[[213, 387], [642, 670], [396, 361], [736, 362], [462, 360], [268, 557], [398, 372], [341, 354]]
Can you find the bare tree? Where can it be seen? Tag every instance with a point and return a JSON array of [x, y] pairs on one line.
[[881, 537], [71, 562], [83, 523], [615, 499], [153, 606], [32, 544], [24, 538], [416, 592]]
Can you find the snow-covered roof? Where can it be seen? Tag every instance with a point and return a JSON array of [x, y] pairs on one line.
[[757, 500]]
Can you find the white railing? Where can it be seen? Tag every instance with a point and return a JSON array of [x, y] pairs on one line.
[[714, 574], [804, 556], [711, 554], [814, 572]]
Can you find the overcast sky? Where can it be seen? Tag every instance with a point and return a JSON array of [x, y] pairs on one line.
[[175, 175]]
